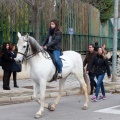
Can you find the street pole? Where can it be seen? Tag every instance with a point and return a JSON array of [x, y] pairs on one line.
[[71, 32], [114, 57], [70, 42]]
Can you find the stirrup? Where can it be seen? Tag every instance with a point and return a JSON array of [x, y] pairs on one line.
[[59, 76]]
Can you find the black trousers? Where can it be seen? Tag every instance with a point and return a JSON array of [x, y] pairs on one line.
[[14, 78], [6, 78], [92, 81]]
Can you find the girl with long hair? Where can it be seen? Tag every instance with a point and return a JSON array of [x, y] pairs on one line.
[[7, 60], [101, 66], [14, 65], [53, 43]]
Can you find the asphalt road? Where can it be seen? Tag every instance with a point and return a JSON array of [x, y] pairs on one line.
[[69, 108]]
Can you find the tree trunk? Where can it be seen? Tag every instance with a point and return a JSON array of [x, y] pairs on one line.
[[36, 19]]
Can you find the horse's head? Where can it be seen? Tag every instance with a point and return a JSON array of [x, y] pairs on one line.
[[22, 46], [28, 47]]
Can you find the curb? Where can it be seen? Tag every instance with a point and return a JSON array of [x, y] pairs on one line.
[[11, 100], [20, 99], [112, 87]]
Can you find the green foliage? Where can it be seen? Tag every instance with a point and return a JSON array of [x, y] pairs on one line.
[[13, 20], [106, 8]]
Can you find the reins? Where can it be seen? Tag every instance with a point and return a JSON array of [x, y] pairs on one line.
[[27, 57]]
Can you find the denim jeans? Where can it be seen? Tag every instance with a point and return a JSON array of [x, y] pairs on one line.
[[56, 54], [100, 85]]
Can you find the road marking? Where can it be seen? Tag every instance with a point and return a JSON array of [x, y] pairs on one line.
[[111, 110]]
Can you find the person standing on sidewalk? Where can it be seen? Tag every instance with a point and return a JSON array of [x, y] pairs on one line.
[[87, 61], [14, 64], [101, 67], [6, 65]]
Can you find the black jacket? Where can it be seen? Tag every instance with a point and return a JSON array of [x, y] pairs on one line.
[[88, 58], [100, 65], [14, 54], [16, 67], [0, 59], [7, 60], [55, 43]]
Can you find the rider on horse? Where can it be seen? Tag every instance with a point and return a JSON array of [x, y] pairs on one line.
[[52, 44]]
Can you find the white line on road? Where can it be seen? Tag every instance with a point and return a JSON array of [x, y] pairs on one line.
[[111, 110]]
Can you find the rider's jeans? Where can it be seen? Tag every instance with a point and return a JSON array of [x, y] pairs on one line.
[[56, 54]]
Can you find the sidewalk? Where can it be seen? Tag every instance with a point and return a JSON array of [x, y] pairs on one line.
[[25, 91]]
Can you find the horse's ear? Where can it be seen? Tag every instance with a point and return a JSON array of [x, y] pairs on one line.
[[19, 35], [26, 37]]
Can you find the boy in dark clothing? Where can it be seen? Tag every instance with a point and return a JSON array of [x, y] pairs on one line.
[[87, 61]]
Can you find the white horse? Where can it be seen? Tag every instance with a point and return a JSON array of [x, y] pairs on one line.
[[42, 70]]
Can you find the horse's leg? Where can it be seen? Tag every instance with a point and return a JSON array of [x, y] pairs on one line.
[[61, 89], [81, 90], [84, 87], [36, 90], [87, 82], [42, 98]]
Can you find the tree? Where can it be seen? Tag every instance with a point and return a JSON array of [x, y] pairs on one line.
[[14, 17], [106, 8], [36, 6]]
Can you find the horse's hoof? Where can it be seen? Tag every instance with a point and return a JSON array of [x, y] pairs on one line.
[[50, 107], [37, 116], [84, 108]]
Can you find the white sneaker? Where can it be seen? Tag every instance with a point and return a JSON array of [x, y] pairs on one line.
[[59, 76]]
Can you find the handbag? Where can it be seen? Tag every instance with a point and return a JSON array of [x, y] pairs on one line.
[[16, 67]]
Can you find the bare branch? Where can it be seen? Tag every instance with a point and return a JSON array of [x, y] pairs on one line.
[[29, 2], [33, 2], [41, 7], [1, 1]]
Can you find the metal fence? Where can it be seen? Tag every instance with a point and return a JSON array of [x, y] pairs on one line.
[[83, 18]]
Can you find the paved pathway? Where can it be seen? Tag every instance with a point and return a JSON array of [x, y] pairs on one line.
[[69, 108]]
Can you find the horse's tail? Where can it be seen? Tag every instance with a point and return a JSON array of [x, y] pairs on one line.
[[87, 81]]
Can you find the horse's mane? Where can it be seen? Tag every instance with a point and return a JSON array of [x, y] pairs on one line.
[[35, 47]]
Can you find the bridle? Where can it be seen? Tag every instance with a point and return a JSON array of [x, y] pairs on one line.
[[26, 57]]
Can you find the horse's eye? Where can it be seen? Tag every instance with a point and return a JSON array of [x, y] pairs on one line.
[[24, 46]]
